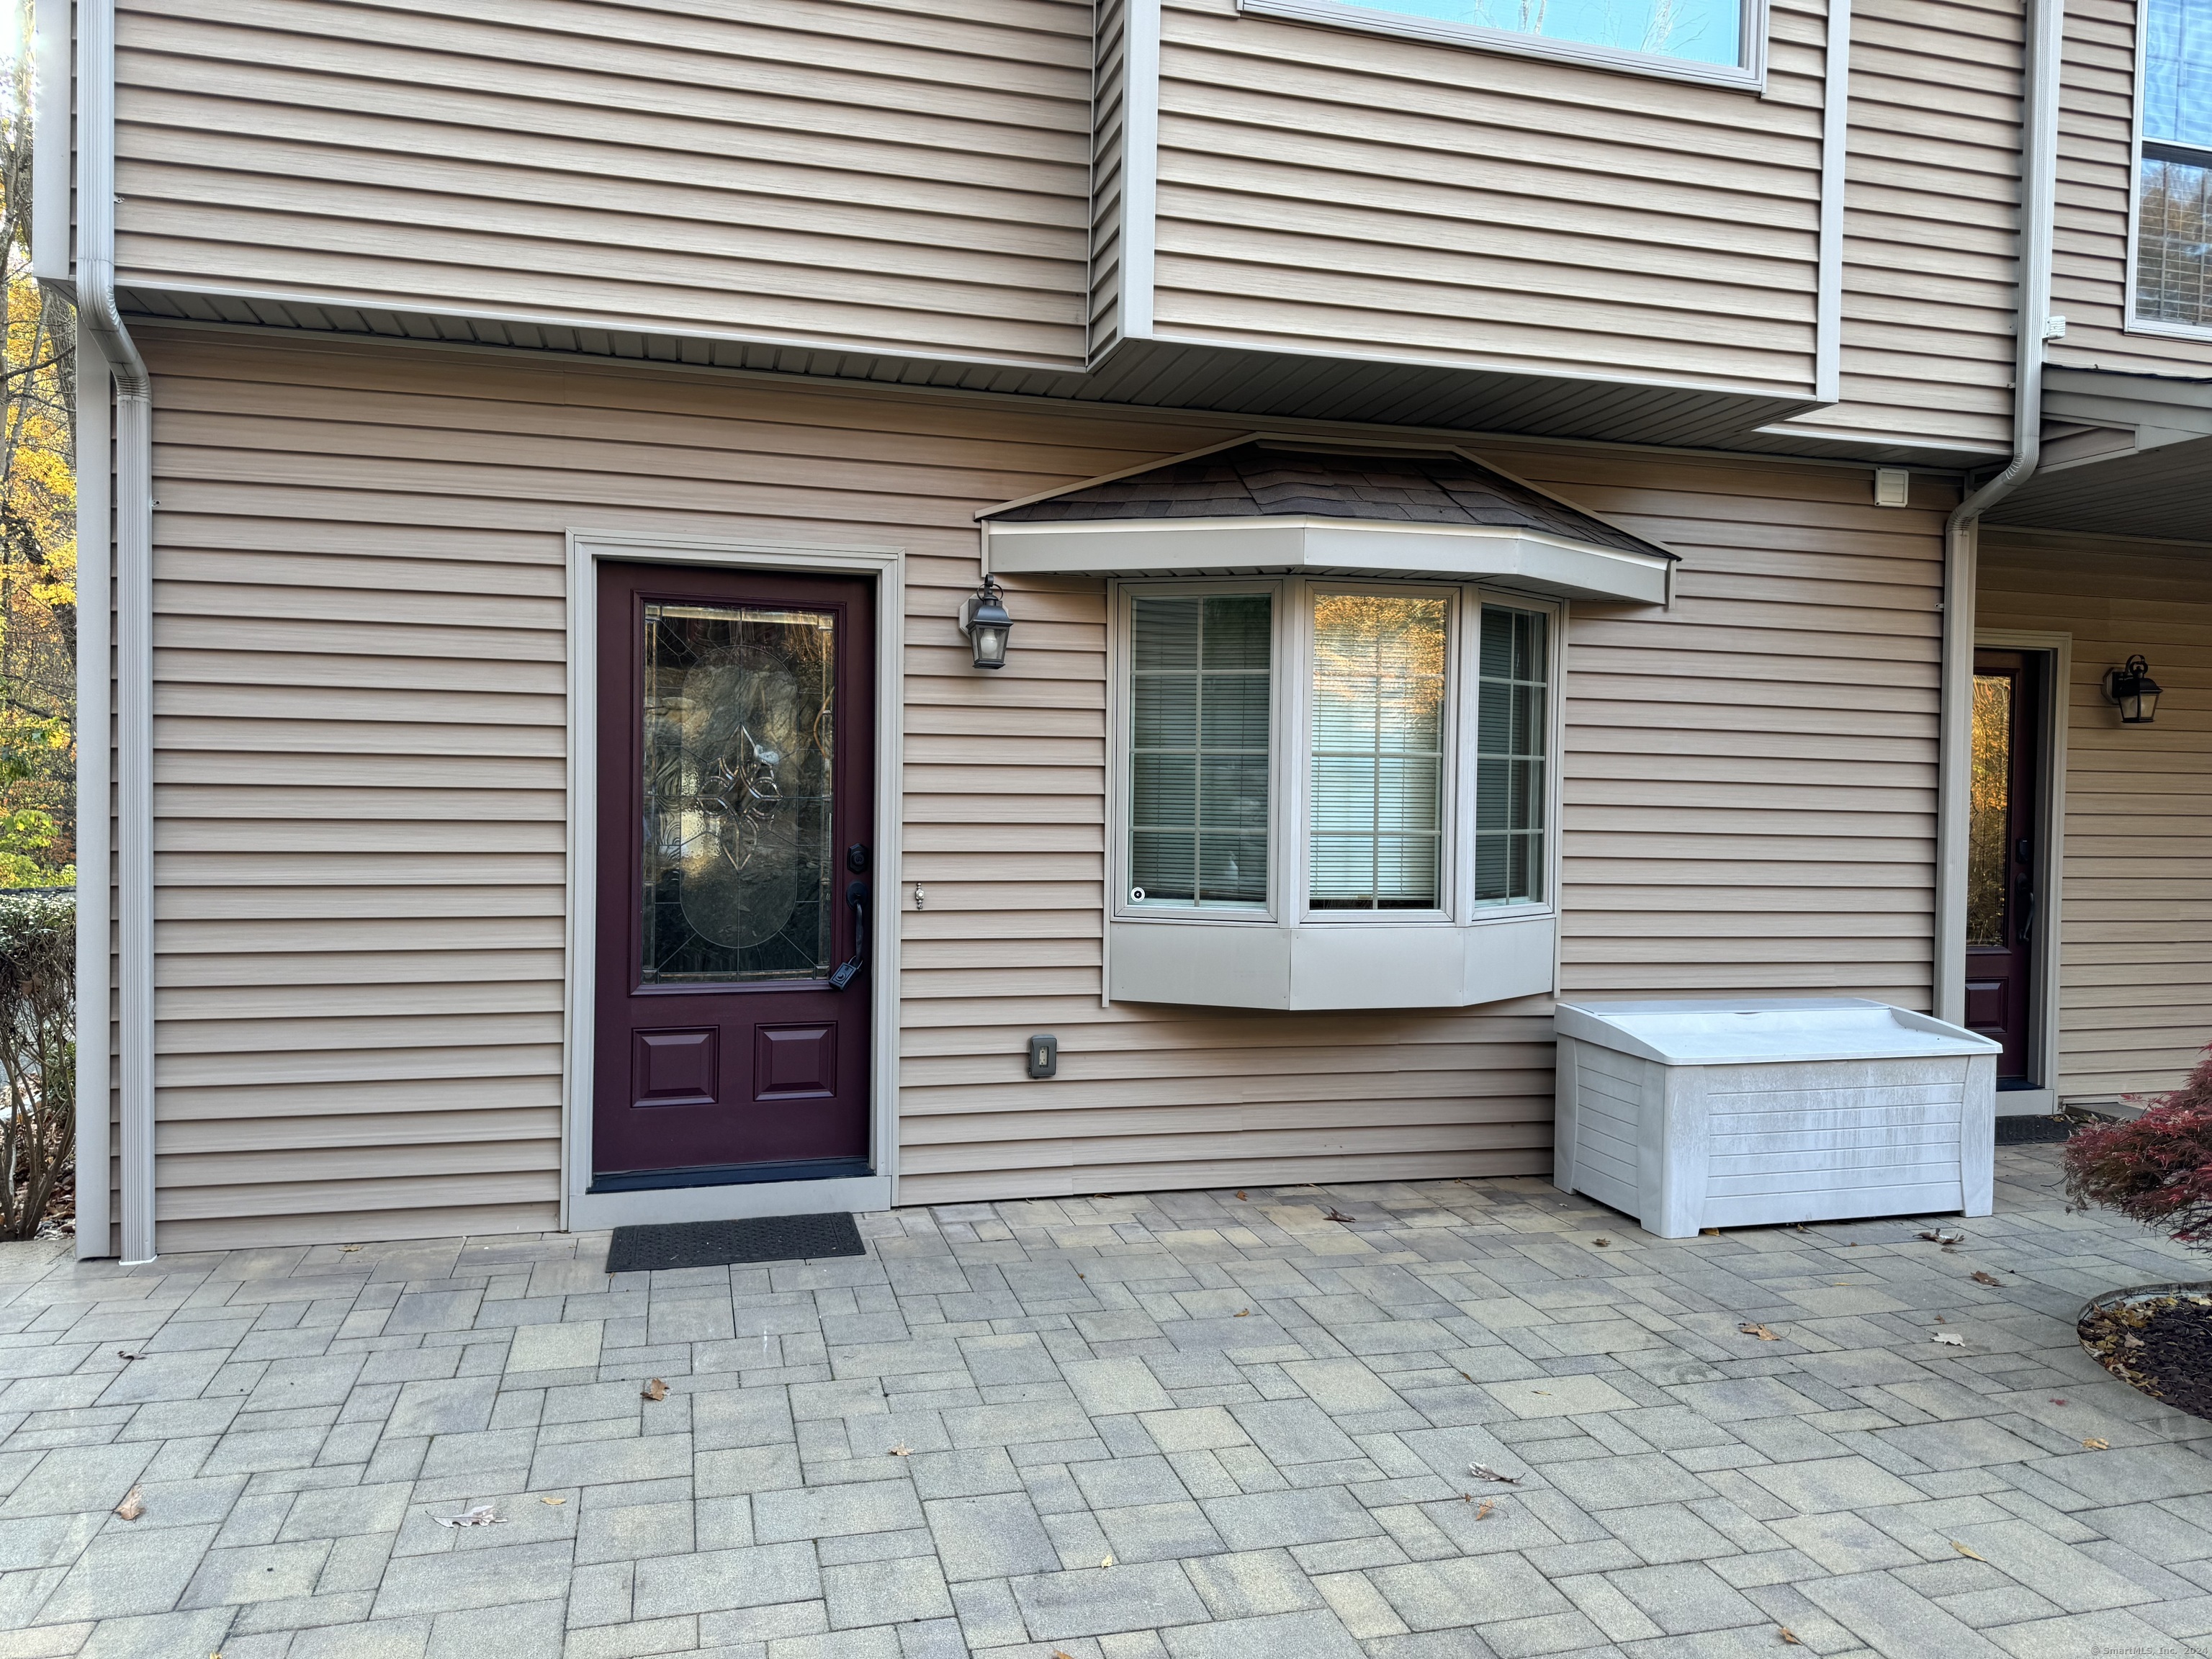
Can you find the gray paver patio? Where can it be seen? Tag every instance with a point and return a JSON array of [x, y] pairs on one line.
[[1168, 1426]]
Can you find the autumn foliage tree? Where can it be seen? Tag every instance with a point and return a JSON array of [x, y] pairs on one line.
[[38, 526]]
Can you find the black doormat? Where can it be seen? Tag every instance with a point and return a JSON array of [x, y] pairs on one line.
[[2026, 1130], [720, 1243]]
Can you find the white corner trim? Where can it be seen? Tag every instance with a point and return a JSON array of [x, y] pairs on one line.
[[580, 1209], [95, 909], [1749, 75], [1140, 166], [1835, 149], [52, 141], [2051, 834]]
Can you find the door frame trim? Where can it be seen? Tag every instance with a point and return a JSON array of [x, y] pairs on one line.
[[2051, 857], [583, 1211]]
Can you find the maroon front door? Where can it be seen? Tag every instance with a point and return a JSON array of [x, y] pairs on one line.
[[2002, 858], [736, 793]]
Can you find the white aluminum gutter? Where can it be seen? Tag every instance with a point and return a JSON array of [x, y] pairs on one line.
[[100, 321], [2039, 167]]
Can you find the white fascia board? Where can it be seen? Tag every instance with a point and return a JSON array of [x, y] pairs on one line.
[[1222, 547]]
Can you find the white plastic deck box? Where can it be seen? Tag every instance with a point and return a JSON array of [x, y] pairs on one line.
[[1755, 1112]]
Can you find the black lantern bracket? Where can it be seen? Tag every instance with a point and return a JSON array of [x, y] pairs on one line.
[[984, 620], [2133, 690]]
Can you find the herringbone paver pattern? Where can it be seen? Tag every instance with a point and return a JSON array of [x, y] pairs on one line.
[[1177, 1427]]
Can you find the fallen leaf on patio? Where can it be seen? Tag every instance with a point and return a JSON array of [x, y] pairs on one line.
[[1468, 1378], [1949, 1338], [1242, 1313], [1240, 1197], [1108, 1562], [1940, 1320], [481, 1516], [2098, 1445], [1335, 1214], [1711, 1232], [1600, 1242], [123, 1354], [2058, 1402], [1759, 1331], [1981, 1278], [132, 1506], [1057, 1654], [348, 1249], [1483, 1514], [1968, 1550], [1937, 1236], [552, 1500], [1546, 1393], [902, 1451], [656, 1389], [1789, 1636], [1484, 1472]]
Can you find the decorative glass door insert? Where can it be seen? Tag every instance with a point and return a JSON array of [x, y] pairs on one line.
[[738, 756]]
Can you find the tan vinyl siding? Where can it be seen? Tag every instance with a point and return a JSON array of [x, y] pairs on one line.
[[1751, 775], [1332, 191], [2136, 981], [360, 736], [2089, 253], [1931, 201], [834, 171]]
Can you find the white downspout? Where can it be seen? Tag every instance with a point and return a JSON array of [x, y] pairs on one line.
[[97, 315], [2038, 168]]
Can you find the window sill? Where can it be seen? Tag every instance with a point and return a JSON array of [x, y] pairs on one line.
[[1333, 964], [1437, 31]]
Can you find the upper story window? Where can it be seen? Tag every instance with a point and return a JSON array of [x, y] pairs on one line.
[[1721, 40], [2173, 212]]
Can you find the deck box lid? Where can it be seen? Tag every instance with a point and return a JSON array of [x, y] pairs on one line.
[[1764, 1030]]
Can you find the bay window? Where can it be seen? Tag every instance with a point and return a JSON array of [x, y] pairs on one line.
[[1332, 793]]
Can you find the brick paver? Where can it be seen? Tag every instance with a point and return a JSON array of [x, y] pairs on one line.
[[1170, 1426]]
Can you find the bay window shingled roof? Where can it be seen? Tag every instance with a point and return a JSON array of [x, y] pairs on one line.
[[1271, 477]]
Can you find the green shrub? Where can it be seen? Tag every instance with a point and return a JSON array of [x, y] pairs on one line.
[[37, 1053]]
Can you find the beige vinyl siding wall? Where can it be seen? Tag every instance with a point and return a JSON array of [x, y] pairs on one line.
[[855, 172], [2136, 981], [360, 569], [1331, 191], [2088, 283], [1931, 201], [1751, 775]]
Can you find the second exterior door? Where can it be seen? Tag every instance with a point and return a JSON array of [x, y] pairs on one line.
[[736, 781], [2003, 859]]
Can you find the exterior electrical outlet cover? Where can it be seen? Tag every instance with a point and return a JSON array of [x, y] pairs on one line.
[[1756, 1112], [1044, 1057]]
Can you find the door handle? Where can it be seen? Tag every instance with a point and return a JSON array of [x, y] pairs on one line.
[[2024, 900], [856, 895]]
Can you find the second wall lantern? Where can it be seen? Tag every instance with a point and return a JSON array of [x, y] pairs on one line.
[[984, 620], [2134, 690]]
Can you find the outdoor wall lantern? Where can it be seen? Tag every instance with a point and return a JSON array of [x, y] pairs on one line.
[[984, 620], [2134, 690]]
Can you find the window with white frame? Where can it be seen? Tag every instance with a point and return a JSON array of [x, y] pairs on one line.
[[2174, 187], [1335, 752], [1699, 39]]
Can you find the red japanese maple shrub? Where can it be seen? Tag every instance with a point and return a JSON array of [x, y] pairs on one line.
[[2156, 1170]]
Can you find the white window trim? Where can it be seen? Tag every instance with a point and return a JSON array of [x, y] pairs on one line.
[[1340, 935], [2134, 324], [1748, 75]]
